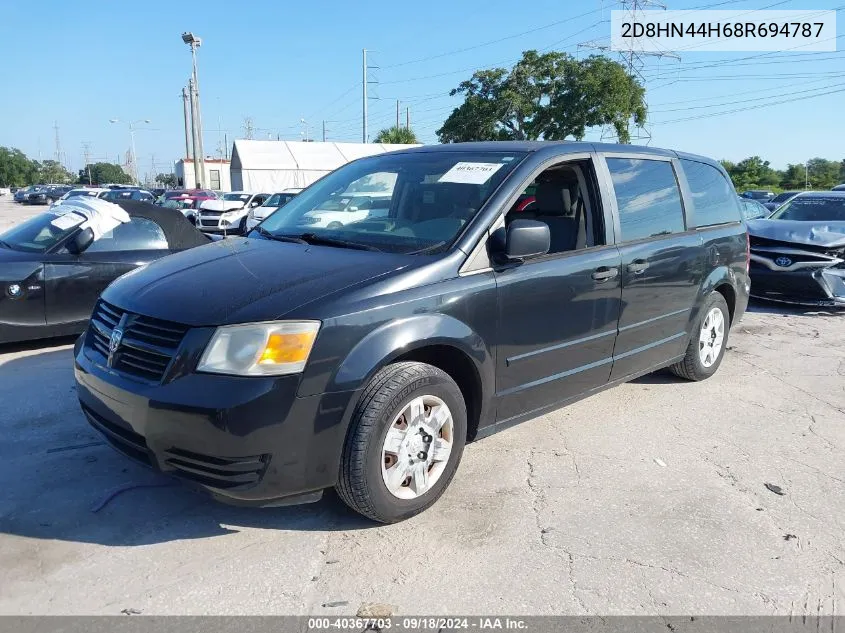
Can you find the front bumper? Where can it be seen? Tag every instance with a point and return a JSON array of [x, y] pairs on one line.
[[247, 441], [813, 287]]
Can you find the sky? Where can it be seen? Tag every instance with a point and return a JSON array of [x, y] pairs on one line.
[[78, 65]]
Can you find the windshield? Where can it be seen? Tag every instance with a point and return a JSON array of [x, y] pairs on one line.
[[781, 197], [278, 199], [42, 232], [753, 210], [812, 209], [240, 197], [409, 202]]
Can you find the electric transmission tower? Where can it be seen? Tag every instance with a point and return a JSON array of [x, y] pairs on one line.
[[249, 128], [634, 59]]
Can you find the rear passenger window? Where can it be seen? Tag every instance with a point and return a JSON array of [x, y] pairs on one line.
[[648, 197], [713, 199]]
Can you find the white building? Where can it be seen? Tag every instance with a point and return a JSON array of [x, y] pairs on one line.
[[278, 165], [217, 174]]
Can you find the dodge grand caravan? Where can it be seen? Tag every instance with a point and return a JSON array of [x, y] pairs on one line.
[[364, 357]]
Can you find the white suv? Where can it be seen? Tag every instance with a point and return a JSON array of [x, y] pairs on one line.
[[270, 206], [348, 208], [228, 214]]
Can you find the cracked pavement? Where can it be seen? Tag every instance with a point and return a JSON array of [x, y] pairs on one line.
[[647, 499]]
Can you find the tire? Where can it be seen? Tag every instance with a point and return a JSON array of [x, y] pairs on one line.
[[334, 225], [693, 367], [364, 463]]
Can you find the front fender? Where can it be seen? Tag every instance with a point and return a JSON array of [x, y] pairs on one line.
[[396, 338]]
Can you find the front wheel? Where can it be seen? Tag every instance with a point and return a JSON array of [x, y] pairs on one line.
[[708, 341], [404, 443]]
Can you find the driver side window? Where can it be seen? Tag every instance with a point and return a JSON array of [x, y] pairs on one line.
[[138, 234]]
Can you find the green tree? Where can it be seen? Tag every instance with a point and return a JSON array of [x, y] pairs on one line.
[[396, 134], [101, 173], [823, 173], [167, 180], [549, 96], [793, 177], [51, 171], [752, 173], [16, 170]]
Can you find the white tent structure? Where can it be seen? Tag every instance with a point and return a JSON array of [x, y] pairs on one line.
[[268, 166]]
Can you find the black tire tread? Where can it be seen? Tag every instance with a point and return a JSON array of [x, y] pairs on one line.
[[352, 483]]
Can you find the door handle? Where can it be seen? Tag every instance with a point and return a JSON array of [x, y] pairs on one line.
[[605, 273], [637, 266]]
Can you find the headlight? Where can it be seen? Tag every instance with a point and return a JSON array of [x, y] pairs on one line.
[[260, 349]]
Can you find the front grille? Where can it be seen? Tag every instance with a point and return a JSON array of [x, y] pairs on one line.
[[147, 347], [212, 214], [217, 472]]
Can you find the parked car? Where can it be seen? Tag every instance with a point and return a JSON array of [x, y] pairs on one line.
[[13, 190], [751, 209], [763, 195], [47, 195], [839, 187], [82, 192], [347, 208], [141, 195], [228, 214], [54, 266], [186, 200], [272, 204], [780, 199], [21, 194], [798, 253], [364, 357]]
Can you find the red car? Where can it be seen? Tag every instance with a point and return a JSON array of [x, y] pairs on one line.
[[186, 200]]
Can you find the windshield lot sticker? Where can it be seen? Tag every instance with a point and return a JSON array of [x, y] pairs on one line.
[[67, 221], [471, 173]]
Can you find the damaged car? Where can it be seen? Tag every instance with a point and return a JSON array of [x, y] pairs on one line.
[[798, 253], [54, 266]]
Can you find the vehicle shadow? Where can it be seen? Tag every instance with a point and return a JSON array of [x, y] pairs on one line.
[[37, 344], [61, 481]]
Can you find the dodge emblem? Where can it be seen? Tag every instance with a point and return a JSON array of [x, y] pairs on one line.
[[114, 343], [783, 262]]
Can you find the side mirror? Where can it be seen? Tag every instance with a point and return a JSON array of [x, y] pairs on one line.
[[81, 241], [522, 240]]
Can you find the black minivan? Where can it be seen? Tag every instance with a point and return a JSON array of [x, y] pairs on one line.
[[268, 368]]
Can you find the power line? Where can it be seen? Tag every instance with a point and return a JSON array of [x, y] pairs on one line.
[[719, 105]]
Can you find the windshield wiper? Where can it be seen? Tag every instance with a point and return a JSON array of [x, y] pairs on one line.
[[313, 238], [279, 238]]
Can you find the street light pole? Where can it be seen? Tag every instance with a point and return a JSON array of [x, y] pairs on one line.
[[199, 154]]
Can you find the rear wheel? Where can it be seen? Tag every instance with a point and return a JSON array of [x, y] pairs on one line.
[[708, 341], [404, 444], [334, 225]]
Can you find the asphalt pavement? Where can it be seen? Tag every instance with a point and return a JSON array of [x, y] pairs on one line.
[[657, 497]]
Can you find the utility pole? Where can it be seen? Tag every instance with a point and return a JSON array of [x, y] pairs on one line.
[[86, 152], [408, 118], [226, 145], [186, 103], [397, 114], [58, 143], [806, 176], [324, 130], [633, 60], [364, 84], [195, 134]]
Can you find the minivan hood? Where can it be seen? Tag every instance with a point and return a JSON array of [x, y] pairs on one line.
[[222, 205], [239, 280], [825, 234]]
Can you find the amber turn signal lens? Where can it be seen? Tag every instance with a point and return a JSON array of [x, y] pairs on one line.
[[287, 348]]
